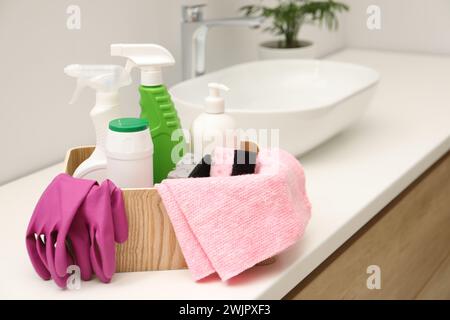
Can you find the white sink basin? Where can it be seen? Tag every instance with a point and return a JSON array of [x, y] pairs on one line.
[[309, 101]]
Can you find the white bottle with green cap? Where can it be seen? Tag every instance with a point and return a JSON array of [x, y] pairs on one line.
[[129, 153]]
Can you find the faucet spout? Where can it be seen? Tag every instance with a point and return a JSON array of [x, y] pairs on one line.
[[235, 22], [200, 35], [194, 36]]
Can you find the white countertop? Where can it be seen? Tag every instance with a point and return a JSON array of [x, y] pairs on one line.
[[349, 179]]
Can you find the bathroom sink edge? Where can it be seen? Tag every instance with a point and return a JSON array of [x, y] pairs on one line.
[[373, 83]]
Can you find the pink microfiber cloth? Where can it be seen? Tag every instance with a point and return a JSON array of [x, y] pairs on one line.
[[229, 224]]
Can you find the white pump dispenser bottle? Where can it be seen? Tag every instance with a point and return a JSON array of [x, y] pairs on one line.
[[106, 80], [214, 127]]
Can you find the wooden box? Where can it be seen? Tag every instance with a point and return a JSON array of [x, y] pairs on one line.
[[151, 244]]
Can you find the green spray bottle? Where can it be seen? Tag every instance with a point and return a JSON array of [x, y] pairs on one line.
[[156, 105]]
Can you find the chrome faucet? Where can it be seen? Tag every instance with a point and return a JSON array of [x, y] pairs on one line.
[[194, 31]]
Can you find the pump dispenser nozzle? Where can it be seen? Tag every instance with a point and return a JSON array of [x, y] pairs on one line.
[[214, 127], [150, 58], [215, 103]]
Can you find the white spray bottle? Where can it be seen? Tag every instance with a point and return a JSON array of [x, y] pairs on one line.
[[106, 81]]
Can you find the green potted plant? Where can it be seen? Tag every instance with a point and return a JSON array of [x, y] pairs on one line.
[[286, 19]]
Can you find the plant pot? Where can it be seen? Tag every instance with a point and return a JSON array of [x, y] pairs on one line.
[[271, 51]]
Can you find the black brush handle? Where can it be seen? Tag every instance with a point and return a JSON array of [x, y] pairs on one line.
[[202, 170], [244, 162]]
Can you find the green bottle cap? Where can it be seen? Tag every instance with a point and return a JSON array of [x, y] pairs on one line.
[[128, 125]]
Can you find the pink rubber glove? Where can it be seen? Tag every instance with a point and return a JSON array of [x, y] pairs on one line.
[[100, 223], [52, 219], [83, 214]]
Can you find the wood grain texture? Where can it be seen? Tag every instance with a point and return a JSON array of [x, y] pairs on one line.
[[438, 287], [76, 156], [151, 244], [409, 240]]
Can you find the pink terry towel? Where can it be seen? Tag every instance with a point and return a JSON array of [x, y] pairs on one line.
[[229, 224]]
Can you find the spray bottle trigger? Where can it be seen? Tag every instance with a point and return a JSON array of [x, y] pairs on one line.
[[129, 66], [81, 83]]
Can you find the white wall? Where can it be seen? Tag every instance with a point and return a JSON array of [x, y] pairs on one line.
[[37, 123], [406, 25]]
